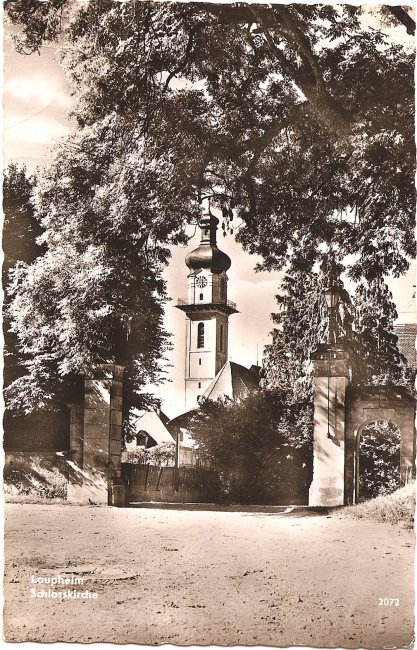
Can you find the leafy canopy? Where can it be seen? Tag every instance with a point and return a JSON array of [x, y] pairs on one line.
[[295, 120], [298, 118]]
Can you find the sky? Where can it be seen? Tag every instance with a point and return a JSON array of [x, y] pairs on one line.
[[36, 100]]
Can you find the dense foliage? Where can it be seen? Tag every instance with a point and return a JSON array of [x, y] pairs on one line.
[[162, 455], [379, 360], [296, 118], [261, 446], [364, 325], [20, 233], [302, 324], [20, 227], [379, 459], [93, 294]]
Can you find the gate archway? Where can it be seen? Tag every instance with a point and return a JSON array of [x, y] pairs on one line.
[[365, 405], [340, 413], [377, 459]]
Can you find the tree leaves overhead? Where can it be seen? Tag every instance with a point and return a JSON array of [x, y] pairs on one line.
[[296, 121], [301, 116]]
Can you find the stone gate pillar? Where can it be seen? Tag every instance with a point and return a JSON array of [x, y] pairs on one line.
[[76, 433], [96, 470], [331, 371]]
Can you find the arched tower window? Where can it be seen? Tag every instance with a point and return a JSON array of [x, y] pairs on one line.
[[221, 337], [200, 335]]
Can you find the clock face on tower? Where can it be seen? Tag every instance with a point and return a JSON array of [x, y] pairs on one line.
[[201, 281]]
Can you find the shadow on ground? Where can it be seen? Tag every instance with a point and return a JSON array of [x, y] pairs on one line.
[[259, 510]]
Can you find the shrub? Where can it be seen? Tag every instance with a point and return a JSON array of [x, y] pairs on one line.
[[260, 446], [162, 455]]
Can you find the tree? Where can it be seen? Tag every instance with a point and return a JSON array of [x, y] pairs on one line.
[[364, 324], [260, 446], [95, 295], [20, 233], [297, 119], [375, 314], [21, 246], [20, 228], [302, 324]]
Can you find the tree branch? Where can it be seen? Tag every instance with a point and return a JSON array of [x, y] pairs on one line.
[[287, 66], [187, 53], [403, 17], [326, 108]]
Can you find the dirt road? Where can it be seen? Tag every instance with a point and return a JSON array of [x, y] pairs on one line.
[[181, 577]]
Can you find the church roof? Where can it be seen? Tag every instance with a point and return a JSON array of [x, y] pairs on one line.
[[233, 381], [154, 425]]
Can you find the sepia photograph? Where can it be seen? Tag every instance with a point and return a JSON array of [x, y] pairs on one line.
[[209, 323]]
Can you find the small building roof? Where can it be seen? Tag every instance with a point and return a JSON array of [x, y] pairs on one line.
[[152, 423]]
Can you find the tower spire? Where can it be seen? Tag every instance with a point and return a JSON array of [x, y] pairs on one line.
[[207, 310], [208, 229]]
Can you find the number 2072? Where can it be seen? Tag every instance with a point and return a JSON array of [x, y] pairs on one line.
[[389, 602]]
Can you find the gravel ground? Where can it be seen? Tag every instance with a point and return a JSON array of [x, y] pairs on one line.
[[200, 578]]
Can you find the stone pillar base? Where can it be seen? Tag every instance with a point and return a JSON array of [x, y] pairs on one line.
[[116, 493], [325, 496]]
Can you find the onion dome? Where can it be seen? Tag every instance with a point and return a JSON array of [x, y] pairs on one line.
[[207, 255]]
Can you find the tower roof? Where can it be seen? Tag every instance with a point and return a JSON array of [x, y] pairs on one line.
[[207, 255]]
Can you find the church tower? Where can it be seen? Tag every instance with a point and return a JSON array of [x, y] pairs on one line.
[[207, 309]]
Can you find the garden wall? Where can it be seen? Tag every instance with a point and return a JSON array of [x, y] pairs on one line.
[[146, 483]]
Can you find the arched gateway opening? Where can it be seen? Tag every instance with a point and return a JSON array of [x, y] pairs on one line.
[[378, 458], [380, 441]]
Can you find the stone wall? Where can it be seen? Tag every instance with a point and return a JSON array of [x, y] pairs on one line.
[[43, 431], [145, 483]]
